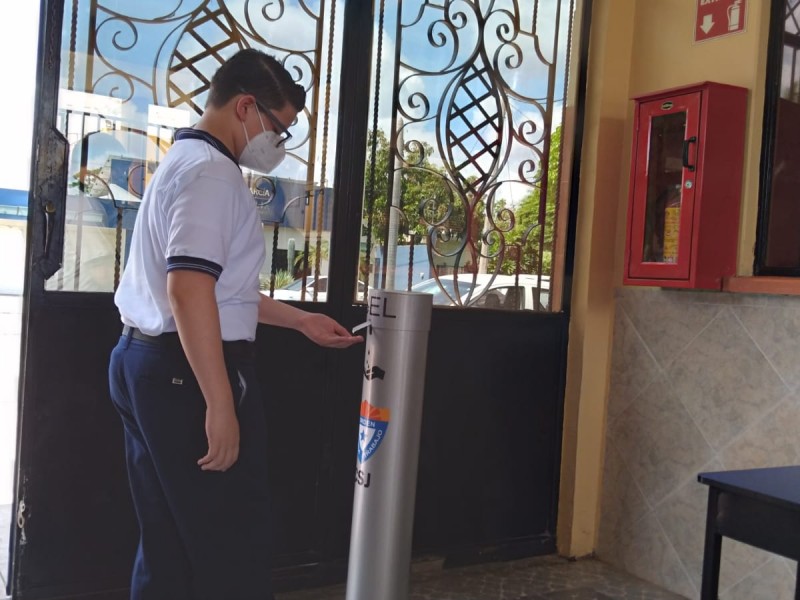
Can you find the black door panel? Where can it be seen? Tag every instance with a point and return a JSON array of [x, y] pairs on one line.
[[79, 530]]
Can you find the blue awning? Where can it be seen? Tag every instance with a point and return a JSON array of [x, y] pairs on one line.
[[13, 204]]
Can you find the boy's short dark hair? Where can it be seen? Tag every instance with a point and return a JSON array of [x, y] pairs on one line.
[[251, 71]]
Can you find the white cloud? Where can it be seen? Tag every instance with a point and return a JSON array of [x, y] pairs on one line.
[[293, 30]]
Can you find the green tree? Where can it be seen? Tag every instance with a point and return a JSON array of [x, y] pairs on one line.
[[425, 188], [300, 262], [423, 185], [527, 214]]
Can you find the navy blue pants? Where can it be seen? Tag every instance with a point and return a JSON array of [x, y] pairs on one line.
[[203, 534]]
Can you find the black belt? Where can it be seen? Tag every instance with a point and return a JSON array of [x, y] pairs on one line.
[[164, 338], [239, 349]]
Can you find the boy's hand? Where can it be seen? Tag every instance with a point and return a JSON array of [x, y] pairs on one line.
[[326, 332], [222, 430]]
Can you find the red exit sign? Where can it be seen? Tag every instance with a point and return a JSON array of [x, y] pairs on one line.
[[716, 18]]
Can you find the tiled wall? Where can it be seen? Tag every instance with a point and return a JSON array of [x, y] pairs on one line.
[[700, 381]]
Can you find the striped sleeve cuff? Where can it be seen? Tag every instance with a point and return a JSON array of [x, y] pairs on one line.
[[190, 263]]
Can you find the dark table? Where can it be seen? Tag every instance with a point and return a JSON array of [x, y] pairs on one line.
[[760, 507]]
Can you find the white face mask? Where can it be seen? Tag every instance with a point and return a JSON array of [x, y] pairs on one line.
[[264, 152]]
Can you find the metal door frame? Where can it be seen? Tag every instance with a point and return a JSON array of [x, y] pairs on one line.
[[48, 181]]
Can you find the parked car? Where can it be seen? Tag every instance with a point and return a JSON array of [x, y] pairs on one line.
[[503, 292], [295, 289]]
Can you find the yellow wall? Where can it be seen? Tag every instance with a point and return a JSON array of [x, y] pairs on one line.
[[665, 55], [610, 48], [636, 46]]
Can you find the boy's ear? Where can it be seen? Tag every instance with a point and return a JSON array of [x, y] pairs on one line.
[[242, 104]]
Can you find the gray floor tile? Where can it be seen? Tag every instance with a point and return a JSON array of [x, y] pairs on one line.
[[579, 594], [541, 578]]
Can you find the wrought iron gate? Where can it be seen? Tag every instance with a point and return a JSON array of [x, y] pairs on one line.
[[463, 182]]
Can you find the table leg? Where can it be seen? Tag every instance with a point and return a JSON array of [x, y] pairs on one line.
[[713, 549], [797, 584]]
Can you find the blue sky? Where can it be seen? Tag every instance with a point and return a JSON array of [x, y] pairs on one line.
[[424, 59], [18, 38], [18, 41]]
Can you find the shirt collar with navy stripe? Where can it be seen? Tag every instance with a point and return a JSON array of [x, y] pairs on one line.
[[187, 133]]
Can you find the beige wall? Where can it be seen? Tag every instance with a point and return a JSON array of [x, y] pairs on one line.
[[636, 46]]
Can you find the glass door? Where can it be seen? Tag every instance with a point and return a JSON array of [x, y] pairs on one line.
[[116, 79], [131, 75], [462, 186]]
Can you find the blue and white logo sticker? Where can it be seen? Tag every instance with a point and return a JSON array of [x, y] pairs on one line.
[[373, 425]]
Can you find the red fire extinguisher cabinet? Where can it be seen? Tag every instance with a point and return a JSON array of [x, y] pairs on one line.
[[685, 186]]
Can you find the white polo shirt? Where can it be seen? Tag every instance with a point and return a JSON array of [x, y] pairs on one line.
[[198, 214]]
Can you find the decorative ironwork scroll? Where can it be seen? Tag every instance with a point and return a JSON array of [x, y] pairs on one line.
[[168, 58], [474, 116], [127, 63]]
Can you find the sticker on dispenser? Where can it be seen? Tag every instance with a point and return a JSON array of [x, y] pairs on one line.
[[374, 422], [373, 372]]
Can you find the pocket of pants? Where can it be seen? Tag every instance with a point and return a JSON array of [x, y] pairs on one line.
[[238, 383], [165, 367], [239, 388]]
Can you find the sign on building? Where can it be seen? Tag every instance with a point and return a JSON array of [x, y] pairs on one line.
[[716, 18]]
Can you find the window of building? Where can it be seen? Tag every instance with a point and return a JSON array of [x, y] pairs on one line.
[[463, 189], [778, 241], [470, 132]]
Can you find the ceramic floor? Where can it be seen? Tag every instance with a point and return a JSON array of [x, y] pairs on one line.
[[543, 578]]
